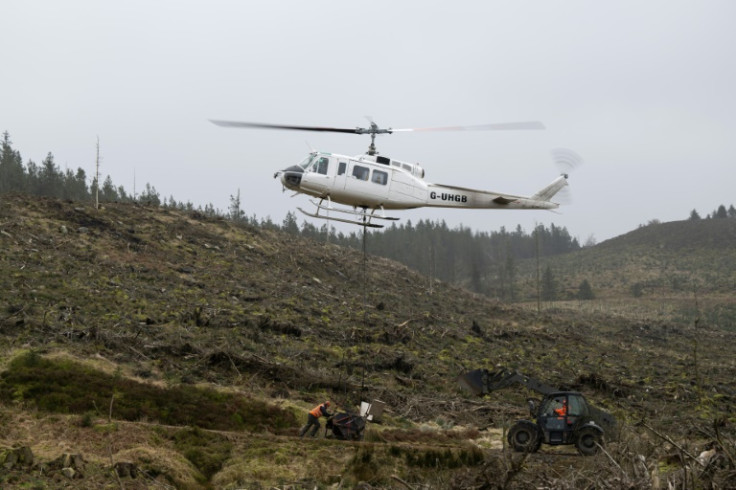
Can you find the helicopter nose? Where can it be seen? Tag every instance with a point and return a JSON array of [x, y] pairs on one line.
[[291, 177]]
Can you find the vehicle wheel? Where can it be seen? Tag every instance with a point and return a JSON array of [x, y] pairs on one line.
[[589, 441], [524, 437]]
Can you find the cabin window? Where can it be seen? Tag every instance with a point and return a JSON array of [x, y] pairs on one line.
[[577, 405], [554, 406], [383, 160], [341, 168], [320, 166], [380, 177], [407, 167], [361, 173]]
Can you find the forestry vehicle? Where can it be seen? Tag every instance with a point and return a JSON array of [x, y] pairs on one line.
[[560, 418]]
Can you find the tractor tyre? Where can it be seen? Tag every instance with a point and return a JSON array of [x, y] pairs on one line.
[[589, 441], [525, 437]]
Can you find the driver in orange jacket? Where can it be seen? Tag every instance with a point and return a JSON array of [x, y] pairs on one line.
[[561, 411], [313, 419]]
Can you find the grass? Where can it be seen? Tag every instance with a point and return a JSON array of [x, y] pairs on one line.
[[207, 451], [65, 386]]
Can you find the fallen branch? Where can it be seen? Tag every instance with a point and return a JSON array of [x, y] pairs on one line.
[[666, 438], [403, 482], [13, 314]]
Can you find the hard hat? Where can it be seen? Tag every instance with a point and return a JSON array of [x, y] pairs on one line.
[[327, 403]]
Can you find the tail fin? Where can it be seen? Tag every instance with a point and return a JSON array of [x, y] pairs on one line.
[[548, 192]]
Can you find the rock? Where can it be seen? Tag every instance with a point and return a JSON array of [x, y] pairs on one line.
[[25, 456], [8, 458], [68, 460], [12, 457], [63, 230], [125, 469], [706, 457], [68, 472]]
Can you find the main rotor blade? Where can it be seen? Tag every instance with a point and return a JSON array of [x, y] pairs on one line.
[[374, 129], [482, 127], [238, 124]]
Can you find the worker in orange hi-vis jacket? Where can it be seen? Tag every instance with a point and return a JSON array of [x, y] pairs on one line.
[[313, 419]]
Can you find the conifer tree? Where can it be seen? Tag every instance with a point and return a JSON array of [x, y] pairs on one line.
[[234, 211], [108, 192], [585, 292], [549, 285], [49, 178], [290, 226], [12, 176]]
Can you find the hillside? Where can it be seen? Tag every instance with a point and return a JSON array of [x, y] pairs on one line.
[[202, 343], [679, 272], [687, 256]]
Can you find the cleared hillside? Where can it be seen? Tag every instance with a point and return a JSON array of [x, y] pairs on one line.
[[160, 298], [679, 272]]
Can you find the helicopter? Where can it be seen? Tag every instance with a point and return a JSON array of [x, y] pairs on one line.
[[369, 184]]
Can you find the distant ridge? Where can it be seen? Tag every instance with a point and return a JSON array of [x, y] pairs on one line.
[[687, 234]]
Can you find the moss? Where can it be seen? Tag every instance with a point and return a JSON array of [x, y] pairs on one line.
[[205, 450], [63, 386]]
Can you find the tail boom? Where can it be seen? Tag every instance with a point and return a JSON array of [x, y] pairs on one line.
[[458, 197]]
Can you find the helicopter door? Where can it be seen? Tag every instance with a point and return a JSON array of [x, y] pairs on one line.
[[318, 177], [342, 174], [368, 184]]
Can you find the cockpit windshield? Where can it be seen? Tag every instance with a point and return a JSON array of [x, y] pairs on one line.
[[308, 161]]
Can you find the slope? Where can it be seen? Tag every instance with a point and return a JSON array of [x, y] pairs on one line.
[[679, 272], [171, 299]]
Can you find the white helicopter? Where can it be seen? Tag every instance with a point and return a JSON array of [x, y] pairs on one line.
[[371, 183]]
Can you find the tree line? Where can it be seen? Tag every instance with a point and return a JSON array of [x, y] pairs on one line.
[[48, 180], [484, 262], [719, 213]]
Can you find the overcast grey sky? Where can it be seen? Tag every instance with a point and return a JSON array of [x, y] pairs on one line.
[[644, 91]]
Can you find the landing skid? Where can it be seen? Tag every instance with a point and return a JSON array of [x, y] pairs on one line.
[[361, 218]]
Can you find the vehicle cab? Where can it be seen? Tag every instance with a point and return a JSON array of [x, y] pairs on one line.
[[559, 413]]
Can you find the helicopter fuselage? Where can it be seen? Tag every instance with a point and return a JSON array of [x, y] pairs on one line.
[[374, 181]]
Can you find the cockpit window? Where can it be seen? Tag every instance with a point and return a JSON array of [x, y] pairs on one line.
[[320, 166], [307, 161]]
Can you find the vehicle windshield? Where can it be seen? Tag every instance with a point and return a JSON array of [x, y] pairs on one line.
[[307, 161], [554, 406]]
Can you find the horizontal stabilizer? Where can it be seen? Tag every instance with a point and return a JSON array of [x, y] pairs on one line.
[[503, 200]]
